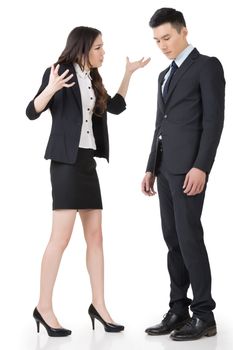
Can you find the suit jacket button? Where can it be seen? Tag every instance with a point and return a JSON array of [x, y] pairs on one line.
[[165, 117]]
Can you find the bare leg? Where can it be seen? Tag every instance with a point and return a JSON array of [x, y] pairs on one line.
[[91, 221], [63, 222]]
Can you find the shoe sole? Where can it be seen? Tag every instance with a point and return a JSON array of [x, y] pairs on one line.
[[209, 332], [178, 326]]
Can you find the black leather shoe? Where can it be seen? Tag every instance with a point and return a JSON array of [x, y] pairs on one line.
[[170, 322], [195, 329], [109, 327], [52, 332]]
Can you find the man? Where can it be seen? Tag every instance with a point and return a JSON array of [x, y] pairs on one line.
[[190, 113]]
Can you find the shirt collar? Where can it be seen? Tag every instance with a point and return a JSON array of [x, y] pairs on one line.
[[183, 55], [81, 73]]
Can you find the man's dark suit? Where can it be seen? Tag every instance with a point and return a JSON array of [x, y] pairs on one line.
[[190, 123]]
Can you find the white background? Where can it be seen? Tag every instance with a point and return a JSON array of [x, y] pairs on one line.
[[33, 34]]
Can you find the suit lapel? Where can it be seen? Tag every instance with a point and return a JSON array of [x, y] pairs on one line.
[[181, 71], [75, 88], [160, 96]]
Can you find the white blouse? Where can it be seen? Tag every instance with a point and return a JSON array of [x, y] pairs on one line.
[[87, 139]]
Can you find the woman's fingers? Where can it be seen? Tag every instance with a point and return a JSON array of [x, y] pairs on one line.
[[56, 69], [57, 81], [52, 69], [145, 62], [69, 85], [68, 78], [62, 76]]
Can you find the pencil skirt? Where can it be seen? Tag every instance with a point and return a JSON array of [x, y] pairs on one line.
[[76, 186]]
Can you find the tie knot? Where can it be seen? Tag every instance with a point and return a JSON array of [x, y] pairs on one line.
[[174, 65]]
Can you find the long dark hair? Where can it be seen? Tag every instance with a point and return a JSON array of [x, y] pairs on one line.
[[78, 45]]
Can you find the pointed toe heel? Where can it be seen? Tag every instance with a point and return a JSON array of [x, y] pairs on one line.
[[108, 327], [52, 332]]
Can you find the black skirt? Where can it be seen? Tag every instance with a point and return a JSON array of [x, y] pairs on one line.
[[76, 186]]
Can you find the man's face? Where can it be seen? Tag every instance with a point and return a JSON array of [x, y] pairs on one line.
[[170, 42]]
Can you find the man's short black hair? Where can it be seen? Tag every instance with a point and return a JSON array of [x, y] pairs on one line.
[[168, 15]]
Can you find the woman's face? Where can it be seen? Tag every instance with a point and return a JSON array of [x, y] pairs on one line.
[[96, 54]]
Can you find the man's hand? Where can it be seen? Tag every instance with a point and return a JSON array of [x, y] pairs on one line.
[[148, 184], [194, 182]]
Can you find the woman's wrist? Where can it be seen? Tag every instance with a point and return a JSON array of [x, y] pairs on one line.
[[128, 74], [48, 91]]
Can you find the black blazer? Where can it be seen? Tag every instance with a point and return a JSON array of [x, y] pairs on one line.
[[191, 121], [67, 119]]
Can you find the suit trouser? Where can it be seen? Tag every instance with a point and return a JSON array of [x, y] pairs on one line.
[[187, 256]]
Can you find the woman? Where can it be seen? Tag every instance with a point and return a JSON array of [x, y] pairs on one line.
[[73, 91]]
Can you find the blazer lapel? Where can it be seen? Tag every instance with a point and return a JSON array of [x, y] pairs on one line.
[[75, 88], [182, 69], [160, 96]]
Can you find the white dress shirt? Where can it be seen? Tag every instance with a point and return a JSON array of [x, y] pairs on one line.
[[87, 139], [179, 60]]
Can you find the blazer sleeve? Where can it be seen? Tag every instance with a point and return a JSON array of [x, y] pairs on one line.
[[30, 110], [154, 147], [212, 85], [153, 154], [116, 104]]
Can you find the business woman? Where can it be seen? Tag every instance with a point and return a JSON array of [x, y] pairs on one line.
[[73, 91]]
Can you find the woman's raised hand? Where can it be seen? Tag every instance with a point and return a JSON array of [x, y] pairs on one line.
[[56, 81], [131, 67]]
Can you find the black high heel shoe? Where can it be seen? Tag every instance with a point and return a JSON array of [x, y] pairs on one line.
[[109, 327], [52, 332]]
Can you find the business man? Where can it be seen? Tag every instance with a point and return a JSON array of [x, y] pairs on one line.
[[189, 122]]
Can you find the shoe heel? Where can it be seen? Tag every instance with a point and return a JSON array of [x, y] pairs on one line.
[[38, 326], [211, 332], [108, 327], [52, 332], [93, 322]]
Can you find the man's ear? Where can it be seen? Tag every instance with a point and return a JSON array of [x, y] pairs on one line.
[[185, 31]]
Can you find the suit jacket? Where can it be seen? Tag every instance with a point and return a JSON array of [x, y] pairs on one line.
[[191, 120], [66, 109]]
